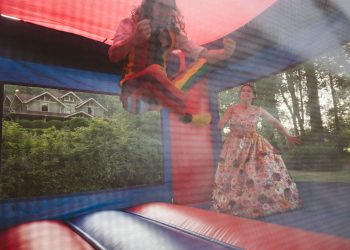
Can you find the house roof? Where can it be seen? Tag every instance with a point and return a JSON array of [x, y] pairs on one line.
[[9, 97], [61, 93], [88, 100], [56, 92], [71, 93], [23, 97], [45, 93], [281, 36]]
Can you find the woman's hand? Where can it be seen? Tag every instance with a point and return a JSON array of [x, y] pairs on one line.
[[143, 30], [229, 47], [215, 55], [293, 139]]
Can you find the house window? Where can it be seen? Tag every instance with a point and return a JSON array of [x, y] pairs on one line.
[[69, 109], [45, 108], [89, 110]]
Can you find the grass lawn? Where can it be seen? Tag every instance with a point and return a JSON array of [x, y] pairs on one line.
[[342, 175]]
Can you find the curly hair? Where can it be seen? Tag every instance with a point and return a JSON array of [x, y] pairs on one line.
[[145, 11]]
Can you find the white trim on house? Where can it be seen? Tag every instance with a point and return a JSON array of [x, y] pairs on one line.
[[9, 98], [72, 94], [36, 97], [64, 106], [90, 99], [79, 112]]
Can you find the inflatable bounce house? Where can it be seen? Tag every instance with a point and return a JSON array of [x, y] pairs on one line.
[[64, 44]]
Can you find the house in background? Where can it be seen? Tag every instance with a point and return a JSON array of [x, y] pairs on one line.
[[50, 105]]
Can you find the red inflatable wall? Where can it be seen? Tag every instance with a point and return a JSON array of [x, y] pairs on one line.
[[192, 152]]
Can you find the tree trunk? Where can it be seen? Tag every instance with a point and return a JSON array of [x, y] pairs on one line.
[[313, 103], [295, 103], [290, 111], [267, 99], [301, 117], [335, 105]]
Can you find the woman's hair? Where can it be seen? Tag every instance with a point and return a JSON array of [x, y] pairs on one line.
[[145, 11], [251, 86]]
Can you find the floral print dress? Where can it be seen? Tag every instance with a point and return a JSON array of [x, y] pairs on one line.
[[251, 179]]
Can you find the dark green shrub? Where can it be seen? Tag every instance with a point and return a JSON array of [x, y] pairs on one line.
[[55, 123], [314, 157], [77, 122], [39, 124], [26, 123]]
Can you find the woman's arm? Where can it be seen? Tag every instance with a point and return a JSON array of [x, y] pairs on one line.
[[212, 56], [128, 34], [224, 119], [119, 51], [276, 123], [217, 55]]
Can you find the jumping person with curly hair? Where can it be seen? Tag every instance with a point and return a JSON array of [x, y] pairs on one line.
[[146, 39]]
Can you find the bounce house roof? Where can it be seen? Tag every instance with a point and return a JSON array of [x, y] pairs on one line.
[[64, 43], [98, 20]]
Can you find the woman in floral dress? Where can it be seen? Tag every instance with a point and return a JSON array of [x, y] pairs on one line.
[[252, 179]]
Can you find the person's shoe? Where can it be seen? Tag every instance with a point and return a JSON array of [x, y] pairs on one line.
[[186, 118], [201, 119]]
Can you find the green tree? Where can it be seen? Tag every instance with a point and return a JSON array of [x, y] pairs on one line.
[[101, 154], [313, 103]]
